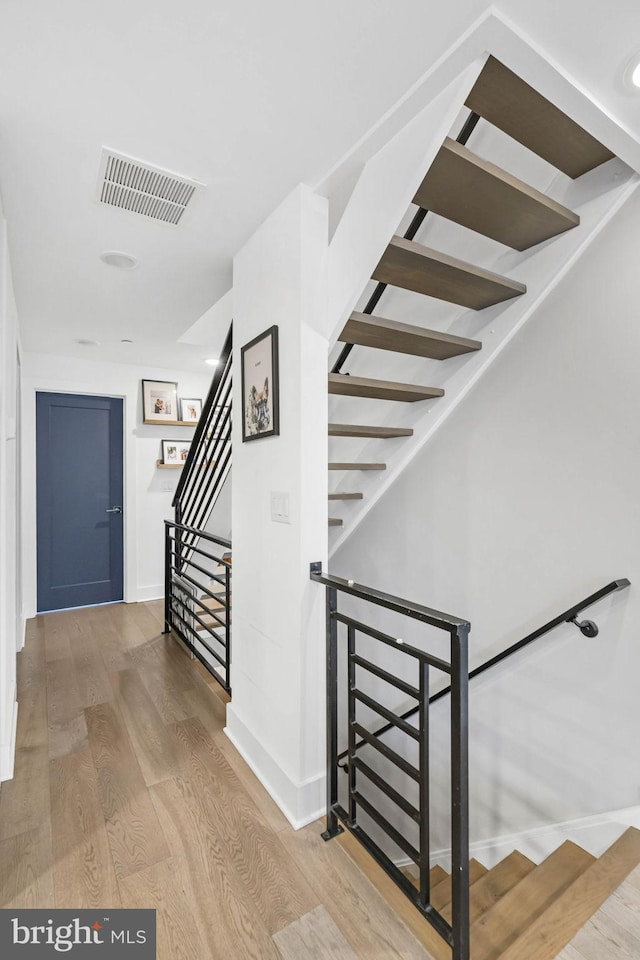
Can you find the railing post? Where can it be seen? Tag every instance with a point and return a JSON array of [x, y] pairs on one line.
[[333, 827], [460, 791], [227, 600], [425, 885], [167, 579]]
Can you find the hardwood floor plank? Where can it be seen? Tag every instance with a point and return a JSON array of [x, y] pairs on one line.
[[58, 630], [357, 908], [624, 907], [277, 887], [269, 810], [603, 938], [135, 836], [93, 682], [32, 716], [26, 878], [111, 644], [31, 659], [153, 741], [25, 799], [83, 869], [66, 723], [314, 935], [231, 926], [165, 887]]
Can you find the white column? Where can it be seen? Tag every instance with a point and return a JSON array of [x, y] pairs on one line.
[[276, 717]]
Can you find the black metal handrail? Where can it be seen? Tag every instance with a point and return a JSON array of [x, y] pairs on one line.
[[205, 627], [412, 229], [456, 934], [209, 458], [568, 616]]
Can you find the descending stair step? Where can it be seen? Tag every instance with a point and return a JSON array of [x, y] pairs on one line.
[[357, 466], [413, 266], [354, 430], [342, 385], [512, 105], [486, 891], [550, 932], [369, 331], [476, 194], [441, 893], [501, 926], [335, 522], [345, 496], [436, 875]]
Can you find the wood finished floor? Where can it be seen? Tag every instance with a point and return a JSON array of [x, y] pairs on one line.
[[128, 794]]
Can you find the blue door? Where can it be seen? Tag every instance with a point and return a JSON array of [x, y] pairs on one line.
[[79, 500]]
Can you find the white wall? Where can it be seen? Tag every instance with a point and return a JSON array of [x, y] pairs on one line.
[[148, 490], [11, 621], [523, 504], [276, 715]]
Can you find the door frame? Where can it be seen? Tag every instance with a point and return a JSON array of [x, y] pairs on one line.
[[31, 387]]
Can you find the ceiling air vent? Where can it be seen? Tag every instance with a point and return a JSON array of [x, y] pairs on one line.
[[141, 188]]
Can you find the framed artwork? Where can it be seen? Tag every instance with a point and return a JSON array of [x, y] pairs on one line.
[[159, 401], [260, 387], [190, 410], [175, 452]]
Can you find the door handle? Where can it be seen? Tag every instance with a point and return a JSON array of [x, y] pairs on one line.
[[114, 510]]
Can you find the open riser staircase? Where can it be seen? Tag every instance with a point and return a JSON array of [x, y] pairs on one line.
[[440, 273]]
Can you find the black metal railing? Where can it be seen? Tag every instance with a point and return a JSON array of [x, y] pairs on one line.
[[410, 232], [361, 664], [587, 627], [197, 596], [209, 459]]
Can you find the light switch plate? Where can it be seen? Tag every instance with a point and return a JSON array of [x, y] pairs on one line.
[[280, 506]]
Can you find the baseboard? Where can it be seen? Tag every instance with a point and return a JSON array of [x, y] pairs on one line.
[[142, 594], [301, 802], [8, 749], [595, 834]]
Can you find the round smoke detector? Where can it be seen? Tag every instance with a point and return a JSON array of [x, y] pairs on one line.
[[116, 258]]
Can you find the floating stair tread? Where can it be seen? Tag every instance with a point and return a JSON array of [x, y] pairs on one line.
[[345, 496], [513, 106], [342, 385], [369, 331], [355, 430], [412, 266], [212, 603], [335, 522], [441, 894], [357, 466], [549, 933], [497, 929], [481, 196], [490, 888]]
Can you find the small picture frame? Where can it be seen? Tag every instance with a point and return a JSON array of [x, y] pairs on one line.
[[175, 452], [260, 386], [159, 401], [190, 410]]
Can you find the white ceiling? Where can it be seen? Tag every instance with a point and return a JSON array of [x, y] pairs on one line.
[[249, 97]]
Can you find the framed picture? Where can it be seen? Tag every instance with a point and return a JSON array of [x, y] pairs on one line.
[[159, 401], [260, 407], [175, 452], [190, 410]]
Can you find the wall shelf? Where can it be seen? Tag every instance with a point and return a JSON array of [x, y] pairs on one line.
[[168, 466], [171, 423]]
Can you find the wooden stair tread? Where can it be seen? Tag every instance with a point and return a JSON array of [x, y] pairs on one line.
[[412, 266], [549, 933], [357, 466], [513, 106], [501, 926], [367, 330], [436, 875], [345, 496], [361, 430], [491, 887], [441, 893], [342, 385], [213, 604], [481, 196], [335, 522]]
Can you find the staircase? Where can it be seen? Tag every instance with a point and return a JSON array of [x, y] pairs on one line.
[[473, 193], [523, 911]]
